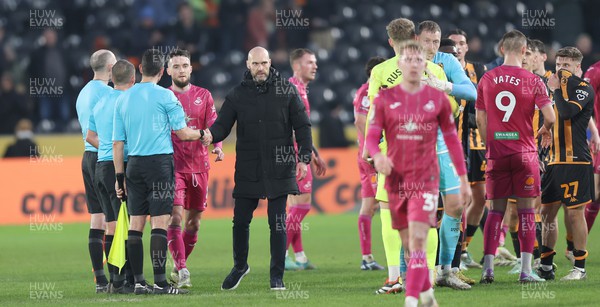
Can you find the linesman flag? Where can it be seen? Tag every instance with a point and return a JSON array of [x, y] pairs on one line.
[[116, 256]]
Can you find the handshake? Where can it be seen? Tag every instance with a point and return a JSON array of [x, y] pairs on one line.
[[205, 137]]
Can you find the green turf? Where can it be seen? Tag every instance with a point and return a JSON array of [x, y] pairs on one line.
[[52, 267]]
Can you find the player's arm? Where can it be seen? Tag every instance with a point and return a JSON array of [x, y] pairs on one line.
[[595, 138], [176, 117], [542, 101], [546, 130], [188, 134], [436, 77], [481, 118], [470, 111], [118, 156], [210, 115], [360, 122], [118, 161], [446, 123], [383, 164], [371, 114], [301, 125], [119, 137], [92, 138], [570, 99], [462, 87], [480, 112]]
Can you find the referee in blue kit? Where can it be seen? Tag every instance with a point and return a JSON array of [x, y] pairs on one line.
[[101, 62], [144, 117]]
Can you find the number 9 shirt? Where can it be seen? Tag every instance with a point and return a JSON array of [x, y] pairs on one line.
[[508, 95]]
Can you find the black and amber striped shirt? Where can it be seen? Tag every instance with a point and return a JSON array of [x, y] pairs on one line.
[[465, 124], [538, 118], [573, 105]]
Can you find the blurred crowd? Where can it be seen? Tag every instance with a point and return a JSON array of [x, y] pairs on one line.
[[45, 45]]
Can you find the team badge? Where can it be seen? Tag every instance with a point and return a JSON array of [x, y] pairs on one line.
[[365, 102], [429, 107]]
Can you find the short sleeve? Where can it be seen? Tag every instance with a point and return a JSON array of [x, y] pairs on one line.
[[541, 95], [119, 133], [92, 122], [480, 102], [174, 111], [374, 83]]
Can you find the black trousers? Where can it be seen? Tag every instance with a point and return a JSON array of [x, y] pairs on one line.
[[242, 216]]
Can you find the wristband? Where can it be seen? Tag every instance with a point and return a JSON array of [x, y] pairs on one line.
[[201, 133]]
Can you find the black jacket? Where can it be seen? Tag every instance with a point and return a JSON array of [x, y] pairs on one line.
[[267, 116], [22, 148]]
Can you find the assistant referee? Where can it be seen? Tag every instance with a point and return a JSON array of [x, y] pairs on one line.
[[144, 117]]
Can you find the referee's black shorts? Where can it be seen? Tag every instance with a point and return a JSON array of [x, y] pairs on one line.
[[88, 168], [105, 184], [150, 185]]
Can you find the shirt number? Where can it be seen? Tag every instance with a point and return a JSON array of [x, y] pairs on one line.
[[509, 108], [567, 186], [431, 201]]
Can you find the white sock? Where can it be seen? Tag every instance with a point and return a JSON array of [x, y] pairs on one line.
[[526, 262], [427, 296], [445, 269], [393, 272], [431, 279], [546, 267], [410, 301], [368, 258], [301, 257], [488, 262], [286, 254]]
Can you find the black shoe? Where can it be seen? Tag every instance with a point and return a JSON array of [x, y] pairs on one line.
[[142, 289], [277, 284], [547, 275], [234, 278], [126, 288], [102, 288], [169, 290], [487, 276]]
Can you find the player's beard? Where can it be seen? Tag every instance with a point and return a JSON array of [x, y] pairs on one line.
[[181, 84]]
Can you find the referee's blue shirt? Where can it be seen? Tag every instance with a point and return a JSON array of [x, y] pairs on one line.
[[88, 97], [144, 117], [101, 122]]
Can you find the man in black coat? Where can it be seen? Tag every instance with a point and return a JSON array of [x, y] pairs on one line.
[[268, 112]]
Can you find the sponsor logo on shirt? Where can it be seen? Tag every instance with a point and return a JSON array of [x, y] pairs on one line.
[[581, 94], [529, 183], [409, 126], [506, 135]]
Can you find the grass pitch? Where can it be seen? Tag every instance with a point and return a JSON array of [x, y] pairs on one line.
[[49, 265]]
